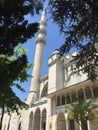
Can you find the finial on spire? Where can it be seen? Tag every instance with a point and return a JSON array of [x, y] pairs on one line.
[[44, 11], [43, 17], [42, 28]]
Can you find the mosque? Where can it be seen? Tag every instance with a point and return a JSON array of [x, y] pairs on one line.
[[48, 95]]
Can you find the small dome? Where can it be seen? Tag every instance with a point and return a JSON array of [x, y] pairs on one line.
[[56, 52], [75, 53]]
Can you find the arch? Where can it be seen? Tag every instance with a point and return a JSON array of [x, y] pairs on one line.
[[44, 110], [31, 121], [61, 123], [44, 113], [45, 90], [37, 119]]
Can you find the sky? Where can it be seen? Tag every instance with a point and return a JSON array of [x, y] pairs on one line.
[[54, 41]]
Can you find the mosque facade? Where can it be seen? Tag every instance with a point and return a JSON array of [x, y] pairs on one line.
[[49, 94]]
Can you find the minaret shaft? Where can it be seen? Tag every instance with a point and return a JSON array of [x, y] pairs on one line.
[[37, 69]]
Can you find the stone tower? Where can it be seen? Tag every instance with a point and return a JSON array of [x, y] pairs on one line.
[[37, 69]]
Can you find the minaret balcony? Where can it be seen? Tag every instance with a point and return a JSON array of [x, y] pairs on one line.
[[42, 30], [41, 40]]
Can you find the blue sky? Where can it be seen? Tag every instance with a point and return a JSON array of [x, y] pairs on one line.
[[54, 41]]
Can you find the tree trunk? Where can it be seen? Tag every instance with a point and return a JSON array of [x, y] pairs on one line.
[[2, 114]]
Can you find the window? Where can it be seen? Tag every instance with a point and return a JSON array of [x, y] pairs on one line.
[[88, 93], [95, 91], [58, 101], [74, 98], [63, 100], [68, 99], [81, 94]]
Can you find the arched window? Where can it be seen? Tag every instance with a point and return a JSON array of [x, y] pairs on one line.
[[61, 123], [31, 121], [37, 120], [44, 119]]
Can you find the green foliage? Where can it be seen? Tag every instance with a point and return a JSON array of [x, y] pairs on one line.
[[82, 110], [15, 28], [78, 21], [87, 61], [14, 68]]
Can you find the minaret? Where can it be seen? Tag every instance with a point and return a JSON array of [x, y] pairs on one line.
[[37, 68]]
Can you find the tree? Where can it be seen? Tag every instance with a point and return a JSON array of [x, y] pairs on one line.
[[82, 111], [14, 29], [78, 20], [14, 68]]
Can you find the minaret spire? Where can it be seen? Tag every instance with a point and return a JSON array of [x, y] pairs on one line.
[[42, 28], [37, 69]]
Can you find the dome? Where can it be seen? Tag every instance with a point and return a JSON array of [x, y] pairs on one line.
[[56, 52]]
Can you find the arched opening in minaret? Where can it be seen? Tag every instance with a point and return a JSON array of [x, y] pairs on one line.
[[31, 121], [61, 123], [37, 120], [44, 119], [44, 91]]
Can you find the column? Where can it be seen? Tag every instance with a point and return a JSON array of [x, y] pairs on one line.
[[40, 121], [71, 97], [60, 100], [88, 125], [92, 93], [66, 119]]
